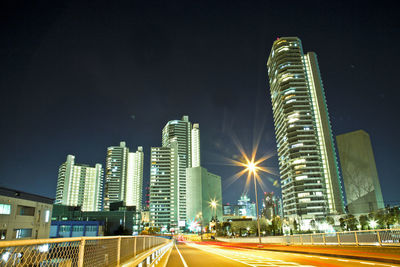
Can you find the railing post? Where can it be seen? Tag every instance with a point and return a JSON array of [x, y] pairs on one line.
[[134, 247], [356, 238], [119, 251], [301, 239], [144, 243], [324, 238], [312, 239], [81, 252], [379, 238], [338, 238]]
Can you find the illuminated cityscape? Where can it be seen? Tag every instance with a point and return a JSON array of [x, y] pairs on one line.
[[196, 133]]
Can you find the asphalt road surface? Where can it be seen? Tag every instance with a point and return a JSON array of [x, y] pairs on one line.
[[189, 254]]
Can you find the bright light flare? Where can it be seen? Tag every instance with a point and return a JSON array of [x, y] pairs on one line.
[[252, 167], [373, 224], [213, 203]]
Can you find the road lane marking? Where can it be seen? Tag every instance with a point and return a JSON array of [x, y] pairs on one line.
[[183, 261], [245, 256]]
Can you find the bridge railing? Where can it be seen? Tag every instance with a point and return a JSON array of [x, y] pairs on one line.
[[78, 251], [384, 237]]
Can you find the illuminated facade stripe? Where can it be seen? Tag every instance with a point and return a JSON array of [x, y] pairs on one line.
[[134, 179]]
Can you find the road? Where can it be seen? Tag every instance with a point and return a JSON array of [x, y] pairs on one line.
[[190, 254]]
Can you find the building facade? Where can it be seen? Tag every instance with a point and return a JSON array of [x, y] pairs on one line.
[[168, 179], [80, 185], [249, 208], [61, 229], [307, 159], [164, 186], [116, 172], [203, 188], [196, 162], [124, 176], [272, 206], [179, 131], [24, 215], [134, 180], [360, 177], [119, 220]]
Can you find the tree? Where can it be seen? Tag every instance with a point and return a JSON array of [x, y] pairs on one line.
[[312, 224], [351, 222], [363, 219], [330, 221], [342, 223], [295, 225]]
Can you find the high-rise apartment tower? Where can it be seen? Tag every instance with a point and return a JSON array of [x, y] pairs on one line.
[[168, 176], [134, 179], [307, 159], [80, 185], [180, 131], [124, 176]]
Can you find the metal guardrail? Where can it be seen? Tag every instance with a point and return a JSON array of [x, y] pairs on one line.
[[385, 237], [78, 251]]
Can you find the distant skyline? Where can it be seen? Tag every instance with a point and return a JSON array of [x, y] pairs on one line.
[[78, 77]]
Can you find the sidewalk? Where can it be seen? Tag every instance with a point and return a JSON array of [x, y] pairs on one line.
[[381, 254]]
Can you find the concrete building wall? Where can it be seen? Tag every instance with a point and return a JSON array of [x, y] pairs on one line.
[[27, 219], [202, 188], [360, 177]]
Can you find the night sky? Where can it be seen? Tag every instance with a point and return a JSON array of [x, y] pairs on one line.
[[77, 77]]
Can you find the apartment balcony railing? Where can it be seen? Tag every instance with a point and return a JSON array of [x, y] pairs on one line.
[[84, 251], [385, 237]]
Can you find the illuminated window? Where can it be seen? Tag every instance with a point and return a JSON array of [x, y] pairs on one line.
[[5, 209], [47, 216], [23, 233]]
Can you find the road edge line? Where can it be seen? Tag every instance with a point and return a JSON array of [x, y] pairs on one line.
[[169, 254], [183, 260]]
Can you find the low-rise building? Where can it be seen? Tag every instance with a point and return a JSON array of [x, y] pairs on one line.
[[24, 215], [76, 228], [119, 220]]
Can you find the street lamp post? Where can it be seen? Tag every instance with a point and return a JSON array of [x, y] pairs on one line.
[[252, 169], [201, 225], [213, 204]]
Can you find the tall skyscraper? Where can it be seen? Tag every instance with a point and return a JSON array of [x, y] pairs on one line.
[[180, 131], [134, 180], [307, 159], [80, 185], [116, 169], [164, 186], [360, 177], [168, 172], [124, 176]]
